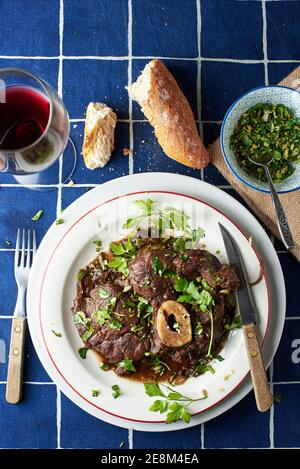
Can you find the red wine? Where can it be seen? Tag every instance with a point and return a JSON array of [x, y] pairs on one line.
[[23, 117]]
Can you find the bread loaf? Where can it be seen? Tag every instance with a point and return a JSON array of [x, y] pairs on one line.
[[169, 112], [99, 131]]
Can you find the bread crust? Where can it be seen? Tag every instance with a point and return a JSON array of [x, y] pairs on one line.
[[98, 141], [169, 112]]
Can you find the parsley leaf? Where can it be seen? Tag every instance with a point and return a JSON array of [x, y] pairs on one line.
[[132, 222], [236, 324], [203, 368], [82, 352], [115, 325], [277, 398], [37, 216], [179, 245], [153, 389], [87, 334], [181, 284], [116, 391], [104, 293], [104, 366], [177, 412], [95, 392], [157, 266], [101, 315], [145, 206], [117, 249], [97, 243], [127, 365], [119, 264], [81, 274], [81, 319], [59, 221], [159, 406]]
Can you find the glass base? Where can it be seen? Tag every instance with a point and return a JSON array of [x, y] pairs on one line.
[[47, 180]]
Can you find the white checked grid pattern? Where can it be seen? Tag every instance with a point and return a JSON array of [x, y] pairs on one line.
[[130, 121]]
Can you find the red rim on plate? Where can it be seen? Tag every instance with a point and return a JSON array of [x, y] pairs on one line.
[[68, 231]]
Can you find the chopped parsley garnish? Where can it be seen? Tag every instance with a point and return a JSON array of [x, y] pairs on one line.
[[270, 130], [174, 402], [37, 216], [202, 368], [136, 328], [88, 334], [101, 315], [82, 352], [115, 325], [97, 243], [198, 329], [127, 365], [104, 293], [81, 274], [193, 294], [95, 392], [123, 251], [59, 221], [116, 391], [81, 319], [179, 245], [119, 264], [57, 334], [158, 367], [236, 324], [277, 398], [104, 366], [157, 266], [218, 357]]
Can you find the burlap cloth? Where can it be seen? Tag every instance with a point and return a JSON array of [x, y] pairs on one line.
[[259, 202]]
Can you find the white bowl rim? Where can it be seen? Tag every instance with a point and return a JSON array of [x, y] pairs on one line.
[[222, 133]]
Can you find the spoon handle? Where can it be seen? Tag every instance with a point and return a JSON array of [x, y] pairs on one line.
[[282, 222]]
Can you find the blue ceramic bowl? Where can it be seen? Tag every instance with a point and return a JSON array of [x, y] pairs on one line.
[[264, 94]]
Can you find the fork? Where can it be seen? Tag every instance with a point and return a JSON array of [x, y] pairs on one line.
[[23, 261]]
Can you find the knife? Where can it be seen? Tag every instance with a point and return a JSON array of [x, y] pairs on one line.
[[263, 396]]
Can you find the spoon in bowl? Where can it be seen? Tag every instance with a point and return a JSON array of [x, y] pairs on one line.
[[282, 222]]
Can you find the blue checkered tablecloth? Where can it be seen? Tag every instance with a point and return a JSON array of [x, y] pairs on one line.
[[90, 50]]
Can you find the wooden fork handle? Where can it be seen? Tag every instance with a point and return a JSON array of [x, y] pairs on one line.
[[263, 396], [15, 361]]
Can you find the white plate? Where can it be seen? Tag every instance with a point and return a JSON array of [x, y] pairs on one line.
[[68, 247]]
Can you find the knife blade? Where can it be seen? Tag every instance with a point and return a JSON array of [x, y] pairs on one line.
[[263, 396], [244, 298]]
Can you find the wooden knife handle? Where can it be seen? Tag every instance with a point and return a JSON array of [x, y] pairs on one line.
[[263, 396], [15, 361]]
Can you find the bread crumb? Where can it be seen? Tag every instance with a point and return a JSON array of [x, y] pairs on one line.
[[70, 183], [127, 152], [227, 376]]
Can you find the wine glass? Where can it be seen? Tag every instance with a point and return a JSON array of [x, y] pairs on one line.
[[34, 127]]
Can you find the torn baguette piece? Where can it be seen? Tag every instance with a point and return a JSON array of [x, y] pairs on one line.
[[169, 112], [99, 131]]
